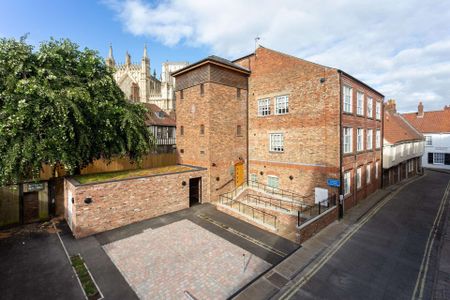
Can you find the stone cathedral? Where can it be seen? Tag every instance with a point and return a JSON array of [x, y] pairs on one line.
[[139, 85]]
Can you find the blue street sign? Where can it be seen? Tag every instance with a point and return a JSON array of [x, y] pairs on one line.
[[333, 182]]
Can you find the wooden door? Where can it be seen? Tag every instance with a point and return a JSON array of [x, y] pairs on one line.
[[30, 207], [239, 174]]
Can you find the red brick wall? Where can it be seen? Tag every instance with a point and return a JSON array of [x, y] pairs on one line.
[[352, 161], [308, 231], [120, 203], [311, 128]]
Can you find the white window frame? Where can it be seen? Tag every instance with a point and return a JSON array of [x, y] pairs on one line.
[[428, 140], [348, 98], [410, 166], [348, 140], [370, 107], [369, 141], [378, 139], [360, 103], [264, 107], [438, 158], [378, 110], [358, 177], [253, 177], [276, 142], [277, 180], [347, 183], [368, 174], [282, 105], [360, 139]]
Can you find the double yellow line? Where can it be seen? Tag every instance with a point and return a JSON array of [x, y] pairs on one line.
[[338, 245], [422, 276]]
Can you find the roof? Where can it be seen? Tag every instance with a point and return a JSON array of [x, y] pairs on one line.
[[431, 121], [215, 60], [152, 119], [397, 129]]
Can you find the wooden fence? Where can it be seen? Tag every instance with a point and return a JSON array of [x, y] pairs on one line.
[[117, 164]]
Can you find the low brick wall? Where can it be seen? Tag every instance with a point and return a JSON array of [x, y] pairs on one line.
[[313, 226], [122, 202]]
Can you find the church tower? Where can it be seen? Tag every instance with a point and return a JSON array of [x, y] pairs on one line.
[[145, 74], [110, 62]]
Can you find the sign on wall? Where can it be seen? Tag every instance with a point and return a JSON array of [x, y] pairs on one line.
[[333, 182], [33, 187]]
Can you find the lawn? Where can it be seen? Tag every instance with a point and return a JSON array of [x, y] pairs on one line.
[[101, 177]]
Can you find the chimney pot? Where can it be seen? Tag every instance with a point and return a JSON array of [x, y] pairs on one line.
[[420, 109]]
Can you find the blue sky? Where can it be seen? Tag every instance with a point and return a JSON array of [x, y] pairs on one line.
[[401, 48]]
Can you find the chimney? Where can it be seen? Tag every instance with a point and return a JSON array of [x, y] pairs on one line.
[[447, 107], [420, 110], [391, 106]]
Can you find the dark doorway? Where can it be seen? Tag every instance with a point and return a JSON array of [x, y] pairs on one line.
[[30, 207], [194, 191]]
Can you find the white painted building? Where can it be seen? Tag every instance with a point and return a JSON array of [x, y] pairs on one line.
[[435, 126]]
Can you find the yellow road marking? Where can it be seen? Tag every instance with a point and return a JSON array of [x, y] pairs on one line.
[[338, 245], [421, 277]]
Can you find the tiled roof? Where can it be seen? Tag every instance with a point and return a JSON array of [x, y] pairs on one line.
[[212, 58], [431, 121], [156, 116], [397, 129]]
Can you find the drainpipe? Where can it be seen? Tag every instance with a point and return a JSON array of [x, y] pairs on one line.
[[341, 190]]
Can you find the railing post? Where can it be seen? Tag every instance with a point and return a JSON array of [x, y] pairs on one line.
[[319, 207]]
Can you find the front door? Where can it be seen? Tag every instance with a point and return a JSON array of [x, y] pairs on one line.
[[239, 174], [194, 191], [30, 207]]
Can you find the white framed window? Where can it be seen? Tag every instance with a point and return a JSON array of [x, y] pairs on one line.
[[378, 110], [368, 174], [377, 165], [370, 107], [264, 107], [348, 140], [281, 105], [276, 141], [347, 182], [253, 178], [348, 98], [360, 103], [358, 177], [369, 144], [428, 140], [410, 166], [438, 158], [273, 181], [378, 139], [360, 139]]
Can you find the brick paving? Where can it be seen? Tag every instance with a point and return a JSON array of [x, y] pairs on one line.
[[165, 262]]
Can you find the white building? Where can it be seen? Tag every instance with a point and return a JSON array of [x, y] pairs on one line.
[[435, 126], [139, 85], [403, 147]]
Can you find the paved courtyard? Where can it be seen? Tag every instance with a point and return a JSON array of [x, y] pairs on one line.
[[165, 262]]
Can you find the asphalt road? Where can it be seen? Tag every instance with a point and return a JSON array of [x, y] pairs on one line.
[[383, 259]]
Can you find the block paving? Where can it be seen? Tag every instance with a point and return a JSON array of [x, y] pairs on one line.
[[165, 262]]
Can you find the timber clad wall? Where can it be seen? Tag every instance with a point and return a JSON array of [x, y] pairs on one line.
[[219, 111], [310, 128], [118, 203]]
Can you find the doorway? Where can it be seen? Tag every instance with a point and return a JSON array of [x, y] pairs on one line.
[[30, 207], [195, 191]]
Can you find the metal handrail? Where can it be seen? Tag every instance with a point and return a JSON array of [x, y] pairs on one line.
[[316, 210], [276, 191]]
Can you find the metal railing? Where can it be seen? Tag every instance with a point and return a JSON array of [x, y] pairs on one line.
[[315, 210], [250, 211], [276, 191], [287, 206]]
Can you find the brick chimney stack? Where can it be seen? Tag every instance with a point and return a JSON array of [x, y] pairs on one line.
[[391, 106], [420, 110]]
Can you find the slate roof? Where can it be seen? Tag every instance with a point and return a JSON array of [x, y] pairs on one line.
[[162, 119], [212, 58], [431, 121], [397, 129]]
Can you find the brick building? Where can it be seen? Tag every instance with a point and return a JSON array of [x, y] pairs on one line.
[[403, 147], [306, 123]]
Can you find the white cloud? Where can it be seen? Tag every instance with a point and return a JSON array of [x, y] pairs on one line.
[[401, 48]]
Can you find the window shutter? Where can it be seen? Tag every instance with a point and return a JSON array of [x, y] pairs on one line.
[[447, 158], [430, 158]]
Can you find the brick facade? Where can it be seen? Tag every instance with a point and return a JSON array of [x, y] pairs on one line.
[[118, 203]]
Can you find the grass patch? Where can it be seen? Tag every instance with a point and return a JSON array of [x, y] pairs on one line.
[[85, 278], [101, 177]]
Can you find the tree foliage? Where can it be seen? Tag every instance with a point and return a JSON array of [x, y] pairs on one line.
[[60, 105]]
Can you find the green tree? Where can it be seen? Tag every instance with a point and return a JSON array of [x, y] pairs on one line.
[[60, 105]]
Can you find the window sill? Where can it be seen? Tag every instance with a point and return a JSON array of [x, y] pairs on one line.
[[347, 113], [276, 152]]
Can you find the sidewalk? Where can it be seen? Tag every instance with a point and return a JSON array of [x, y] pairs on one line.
[[268, 285]]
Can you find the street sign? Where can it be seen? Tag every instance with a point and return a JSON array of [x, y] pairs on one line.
[[333, 182]]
